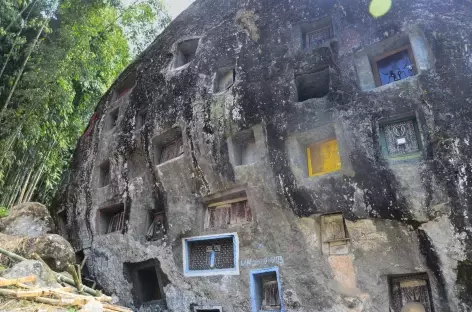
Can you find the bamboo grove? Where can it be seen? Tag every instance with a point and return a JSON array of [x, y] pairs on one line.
[[57, 57]]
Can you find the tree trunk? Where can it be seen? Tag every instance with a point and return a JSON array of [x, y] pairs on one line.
[[16, 39], [19, 14], [23, 188], [23, 66], [33, 185]]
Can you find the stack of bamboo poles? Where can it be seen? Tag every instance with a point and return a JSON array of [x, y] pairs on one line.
[[77, 296]]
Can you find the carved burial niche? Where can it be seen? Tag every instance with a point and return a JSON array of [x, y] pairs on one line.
[[112, 119], [208, 309], [148, 282], [156, 226], [141, 118], [125, 87], [111, 219], [229, 210], [411, 291], [211, 255], [244, 148], [334, 234], [266, 292], [168, 146], [104, 173], [316, 33], [224, 79], [400, 137], [186, 51], [393, 65], [312, 85]]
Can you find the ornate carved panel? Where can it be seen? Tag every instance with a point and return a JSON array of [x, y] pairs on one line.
[[401, 138]]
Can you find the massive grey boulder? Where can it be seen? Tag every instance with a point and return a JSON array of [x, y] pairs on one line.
[[27, 219], [52, 248]]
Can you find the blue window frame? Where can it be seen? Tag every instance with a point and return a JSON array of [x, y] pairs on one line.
[[394, 65], [211, 255], [266, 290]]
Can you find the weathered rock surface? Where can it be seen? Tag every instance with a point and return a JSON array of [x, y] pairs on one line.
[[52, 248], [27, 219], [407, 225]]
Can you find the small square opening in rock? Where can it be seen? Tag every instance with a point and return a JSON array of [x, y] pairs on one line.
[[393, 66], [111, 219], [112, 118], [317, 33], [410, 293], [186, 52], [334, 234], [323, 157], [168, 146], [211, 255], [148, 281], [227, 211], [141, 118], [244, 147], [400, 137], [156, 228], [212, 309], [312, 85], [224, 79], [265, 290], [104, 171], [125, 87]]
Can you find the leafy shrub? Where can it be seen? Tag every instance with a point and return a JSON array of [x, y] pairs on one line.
[[3, 212]]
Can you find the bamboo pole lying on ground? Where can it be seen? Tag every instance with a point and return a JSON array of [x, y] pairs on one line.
[[60, 278], [16, 281]]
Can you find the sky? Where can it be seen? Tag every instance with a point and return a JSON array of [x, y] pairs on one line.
[[174, 6], [177, 6]]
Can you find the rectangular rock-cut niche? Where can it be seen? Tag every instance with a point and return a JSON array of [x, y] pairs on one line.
[[186, 51], [111, 219], [227, 211], [211, 255], [400, 138], [208, 309], [334, 236], [266, 290], [156, 227], [410, 293], [317, 33], [244, 148], [104, 174], [112, 119], [141, 118], [393, 59], [312, 85], [393, 65], [124, 88], [148, 283], [224, 79], [167, 146]]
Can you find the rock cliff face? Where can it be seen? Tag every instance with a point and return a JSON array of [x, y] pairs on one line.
[[288, 155]]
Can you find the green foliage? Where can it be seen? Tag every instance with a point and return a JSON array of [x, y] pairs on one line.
[[3, 212], [78, 55]]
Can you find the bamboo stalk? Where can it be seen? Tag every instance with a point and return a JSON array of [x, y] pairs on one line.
[[116, 308], [15, 281], [73, 272]]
